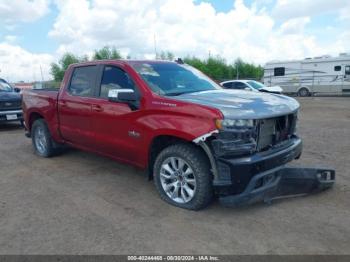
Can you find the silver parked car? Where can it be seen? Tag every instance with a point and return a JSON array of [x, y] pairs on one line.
[[251, 85]]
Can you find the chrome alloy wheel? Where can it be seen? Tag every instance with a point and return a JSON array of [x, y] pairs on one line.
[[40, 140], [177, 179]]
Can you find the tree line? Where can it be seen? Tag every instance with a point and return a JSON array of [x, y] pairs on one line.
[[216, 67], [57, 69]]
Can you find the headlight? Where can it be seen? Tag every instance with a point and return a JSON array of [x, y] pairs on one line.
[[233, 123]]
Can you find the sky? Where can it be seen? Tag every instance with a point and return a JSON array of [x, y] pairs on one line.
[[35, 33]]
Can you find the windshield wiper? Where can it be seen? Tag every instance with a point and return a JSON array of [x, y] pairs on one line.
[[177, 93], [184, 92]]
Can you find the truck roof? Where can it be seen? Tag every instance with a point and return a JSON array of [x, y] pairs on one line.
[[124, 61]]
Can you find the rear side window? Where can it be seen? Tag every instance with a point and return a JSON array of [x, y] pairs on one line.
[[83, 80], [279, 71], [227, 85], [115, 78], [239, 85], [337, 68]]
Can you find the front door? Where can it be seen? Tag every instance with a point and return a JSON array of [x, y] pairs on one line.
[[114, 122], [74, 105]]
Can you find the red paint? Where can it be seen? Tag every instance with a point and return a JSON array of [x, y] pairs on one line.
[[98, 125]]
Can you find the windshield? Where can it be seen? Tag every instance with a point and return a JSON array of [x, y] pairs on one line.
[[256, 85], [5, 87], [174, 79]]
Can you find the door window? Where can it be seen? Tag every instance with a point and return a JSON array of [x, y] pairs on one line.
[[114, 78], [83, 80]]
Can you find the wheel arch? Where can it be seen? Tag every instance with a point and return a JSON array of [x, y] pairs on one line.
[[161, 142], [32, 117], [304, 87]]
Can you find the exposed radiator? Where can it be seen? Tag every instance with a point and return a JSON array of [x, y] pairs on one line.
[[275, 130]]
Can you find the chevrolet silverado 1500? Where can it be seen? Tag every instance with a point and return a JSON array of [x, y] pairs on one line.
[[195, 139]]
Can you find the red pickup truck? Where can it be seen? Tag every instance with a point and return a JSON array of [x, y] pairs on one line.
[[195, 139]]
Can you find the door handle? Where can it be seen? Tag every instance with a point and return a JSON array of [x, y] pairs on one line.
[[97, 108]]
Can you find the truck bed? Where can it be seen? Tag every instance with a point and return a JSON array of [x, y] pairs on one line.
[[44, 103], [40, 97]]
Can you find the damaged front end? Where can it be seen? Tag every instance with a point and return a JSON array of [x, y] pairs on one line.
[[249, 157]]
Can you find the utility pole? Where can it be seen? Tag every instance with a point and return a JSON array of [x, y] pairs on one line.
[[41, 71], [155, 45]]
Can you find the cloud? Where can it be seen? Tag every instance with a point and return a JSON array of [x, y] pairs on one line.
[[181, 26], [14, 11], [18, 64], [294, 25], [185, 27], [345, 13], [342, 43], [10, 38], [286, 9]]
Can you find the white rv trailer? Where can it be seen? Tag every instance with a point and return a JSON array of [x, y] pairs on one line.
[[324, 74]]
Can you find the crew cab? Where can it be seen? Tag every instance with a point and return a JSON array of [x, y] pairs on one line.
[[195, 139], [10, 103]]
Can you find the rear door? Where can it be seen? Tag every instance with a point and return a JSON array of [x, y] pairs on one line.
[[114, 122], [74, 105]]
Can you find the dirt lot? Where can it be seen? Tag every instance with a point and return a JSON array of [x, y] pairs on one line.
[[80, 203]]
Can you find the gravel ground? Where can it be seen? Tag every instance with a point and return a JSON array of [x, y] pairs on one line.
[[80, 203]]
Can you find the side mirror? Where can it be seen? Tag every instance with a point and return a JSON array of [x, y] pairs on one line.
[[122, 95], [17, 90], [248, 89]]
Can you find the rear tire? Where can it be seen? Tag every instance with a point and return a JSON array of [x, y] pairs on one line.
[[182, 177], [43, 143], [303, 92]]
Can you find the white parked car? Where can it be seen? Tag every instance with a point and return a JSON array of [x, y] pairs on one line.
[[251, 85]]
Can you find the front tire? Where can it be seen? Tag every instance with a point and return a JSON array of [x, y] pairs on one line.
[[182, 177], [42, 141]]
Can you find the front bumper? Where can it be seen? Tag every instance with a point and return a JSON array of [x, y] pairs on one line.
[[234, 174], [11, 115], [264, 176], [282, 182]]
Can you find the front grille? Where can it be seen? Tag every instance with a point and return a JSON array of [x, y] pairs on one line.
[[274, 131], [9, 105]]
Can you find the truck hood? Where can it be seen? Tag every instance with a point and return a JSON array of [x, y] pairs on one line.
[[9, 96], [237, 104]]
